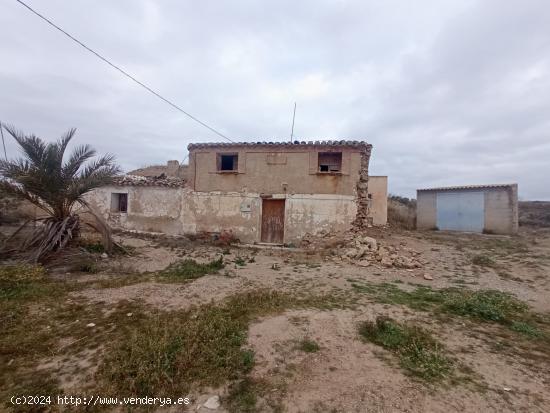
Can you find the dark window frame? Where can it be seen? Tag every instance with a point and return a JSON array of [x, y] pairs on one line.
[[222, 160], [121, 203], [326, 165]]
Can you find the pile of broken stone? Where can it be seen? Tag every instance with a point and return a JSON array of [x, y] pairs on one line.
[[365, 251]]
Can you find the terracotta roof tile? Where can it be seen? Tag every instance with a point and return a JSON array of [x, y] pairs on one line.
[[296, 143]]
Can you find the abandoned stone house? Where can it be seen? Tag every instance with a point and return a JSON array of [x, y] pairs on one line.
[[273, 192]]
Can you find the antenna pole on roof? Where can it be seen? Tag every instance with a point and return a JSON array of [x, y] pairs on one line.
[[293, 117], [3, 142]]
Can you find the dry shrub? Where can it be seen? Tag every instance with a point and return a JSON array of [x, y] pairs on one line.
[[534, 214], [401, 212]]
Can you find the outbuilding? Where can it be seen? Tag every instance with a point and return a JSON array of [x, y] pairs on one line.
[[491, 209]]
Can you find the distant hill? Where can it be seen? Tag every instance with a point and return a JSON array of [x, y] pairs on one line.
[[534, 213]]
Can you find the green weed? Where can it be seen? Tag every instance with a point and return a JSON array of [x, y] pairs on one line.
[[485, 305], [526, 329], [419, 353], [308, 346], [240, 261], [243, 396], [189, 269], [21, 281]]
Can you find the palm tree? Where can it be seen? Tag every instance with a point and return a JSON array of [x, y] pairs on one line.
[[57, 187]]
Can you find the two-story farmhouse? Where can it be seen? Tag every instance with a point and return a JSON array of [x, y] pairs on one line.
[[262, 192]]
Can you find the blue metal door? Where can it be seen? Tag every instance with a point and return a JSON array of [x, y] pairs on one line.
[[460, 211]]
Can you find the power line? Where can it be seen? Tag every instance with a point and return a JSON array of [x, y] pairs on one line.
[[122, 70]]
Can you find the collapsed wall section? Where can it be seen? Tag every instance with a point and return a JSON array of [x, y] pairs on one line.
[[363, 218]]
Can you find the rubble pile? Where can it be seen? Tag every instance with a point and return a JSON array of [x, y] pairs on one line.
[[366, 251], [363, 250]]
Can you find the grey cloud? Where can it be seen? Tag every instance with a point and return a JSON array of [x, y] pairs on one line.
[[448, 92]]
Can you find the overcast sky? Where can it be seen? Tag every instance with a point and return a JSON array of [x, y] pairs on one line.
[[448, 92]]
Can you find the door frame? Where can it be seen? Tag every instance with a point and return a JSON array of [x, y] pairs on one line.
[[272, 198]]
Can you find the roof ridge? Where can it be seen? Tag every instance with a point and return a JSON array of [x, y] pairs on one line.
[[480, 186], [332, 142]]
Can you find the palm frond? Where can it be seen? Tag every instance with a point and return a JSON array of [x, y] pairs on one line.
[[65, 139], [32, 146], [80, 155]]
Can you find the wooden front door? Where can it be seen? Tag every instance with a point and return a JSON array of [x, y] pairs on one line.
[[273, 221]]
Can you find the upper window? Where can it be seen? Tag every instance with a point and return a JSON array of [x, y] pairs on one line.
[[330, 162], [228, 162], [119, 202]]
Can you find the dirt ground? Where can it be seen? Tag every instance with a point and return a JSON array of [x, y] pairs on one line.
[[347, 374]]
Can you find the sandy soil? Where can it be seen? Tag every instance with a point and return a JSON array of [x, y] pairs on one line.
[[347, 374]]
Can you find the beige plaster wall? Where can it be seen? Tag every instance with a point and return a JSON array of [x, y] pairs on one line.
[[216, 212], [501, 210], [315, 213], [182, 211], [284, 171], [426, 209], [378, 193], [150, 209]]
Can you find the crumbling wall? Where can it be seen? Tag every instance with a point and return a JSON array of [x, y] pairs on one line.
[[216, 212], [363, 219], [315, 214], [150, 209]]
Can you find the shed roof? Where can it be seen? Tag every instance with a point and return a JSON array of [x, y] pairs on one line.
[[451, 188], [137, 180], [282, 144]]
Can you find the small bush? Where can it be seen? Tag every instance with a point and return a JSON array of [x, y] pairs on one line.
[[240, 261], [483, 261], [247, 360], [93, 247], [308, 346], [242, 397], [89, 267], [419, 353], [189, 269], [401, 212], [526, 329]]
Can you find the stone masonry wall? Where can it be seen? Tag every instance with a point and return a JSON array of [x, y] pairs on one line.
[[363, 219]]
